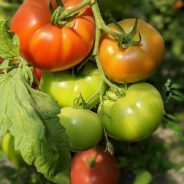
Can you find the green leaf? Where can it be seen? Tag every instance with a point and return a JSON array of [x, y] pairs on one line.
[[31, 117], [9, 46], [176, 128]]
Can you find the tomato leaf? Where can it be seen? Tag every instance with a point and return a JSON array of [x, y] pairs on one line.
[[8, 48], [31, 117], [176, 127]]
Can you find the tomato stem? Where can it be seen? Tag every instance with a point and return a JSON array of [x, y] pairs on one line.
[[101, 24], [61, 16], [109, 146], [6, 5]]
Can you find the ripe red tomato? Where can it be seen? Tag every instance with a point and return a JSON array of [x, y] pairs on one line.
[[94, 166], [48, 46], [38, 73], [135, 63]]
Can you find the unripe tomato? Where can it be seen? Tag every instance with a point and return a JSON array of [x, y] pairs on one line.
[[135, 63], [65, 88], [135, 116], [94, 166], [83, 127], [7, 146], [48, 46]]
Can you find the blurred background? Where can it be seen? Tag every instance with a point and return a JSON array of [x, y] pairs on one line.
[[160, 158]]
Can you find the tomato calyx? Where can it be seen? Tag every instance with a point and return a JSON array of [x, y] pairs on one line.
[[127, 40], [92, 161], [62, 16]]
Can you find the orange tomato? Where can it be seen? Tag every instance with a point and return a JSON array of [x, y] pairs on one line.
[[135, 63]]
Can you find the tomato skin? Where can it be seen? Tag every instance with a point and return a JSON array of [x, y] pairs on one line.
[[135, 63], [65, 88], [135, 116], [83, 127], [38, 73], [104, 172], [50, 47], [7, 146]]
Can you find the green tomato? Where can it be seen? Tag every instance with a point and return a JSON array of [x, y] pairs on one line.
[[65, 88], [83, 127], [8, 148], [135, 116], [143, 177]]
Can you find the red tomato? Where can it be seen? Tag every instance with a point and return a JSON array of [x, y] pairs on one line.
[[48, 46], [104, 170], [38, 73], [135, 63], [178, 4]]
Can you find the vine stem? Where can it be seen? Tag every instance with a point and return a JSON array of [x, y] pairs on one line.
[[100, 22], [100, 25], [6, 5]]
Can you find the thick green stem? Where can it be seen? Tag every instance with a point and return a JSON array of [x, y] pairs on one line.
[[9, 6], [95, 52], [67, 13], [101, 24]]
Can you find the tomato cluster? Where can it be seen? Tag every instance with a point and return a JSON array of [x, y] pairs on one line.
[[89, 107], [55, 48]]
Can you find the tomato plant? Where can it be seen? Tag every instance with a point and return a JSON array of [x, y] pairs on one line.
[[94, 166], [134, 63], [7, 146], [135, 116], [55, 36], [83, 127], [65, 87], [49, 46]]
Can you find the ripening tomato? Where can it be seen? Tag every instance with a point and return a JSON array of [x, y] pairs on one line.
[[48, 46], [94, 166], [135, 63], [83, 127], [135, 116]]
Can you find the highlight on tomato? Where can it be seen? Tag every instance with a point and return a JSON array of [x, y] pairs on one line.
[[134, 63], [53, 46], [83, 127], [94, 166], [135, 116]]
